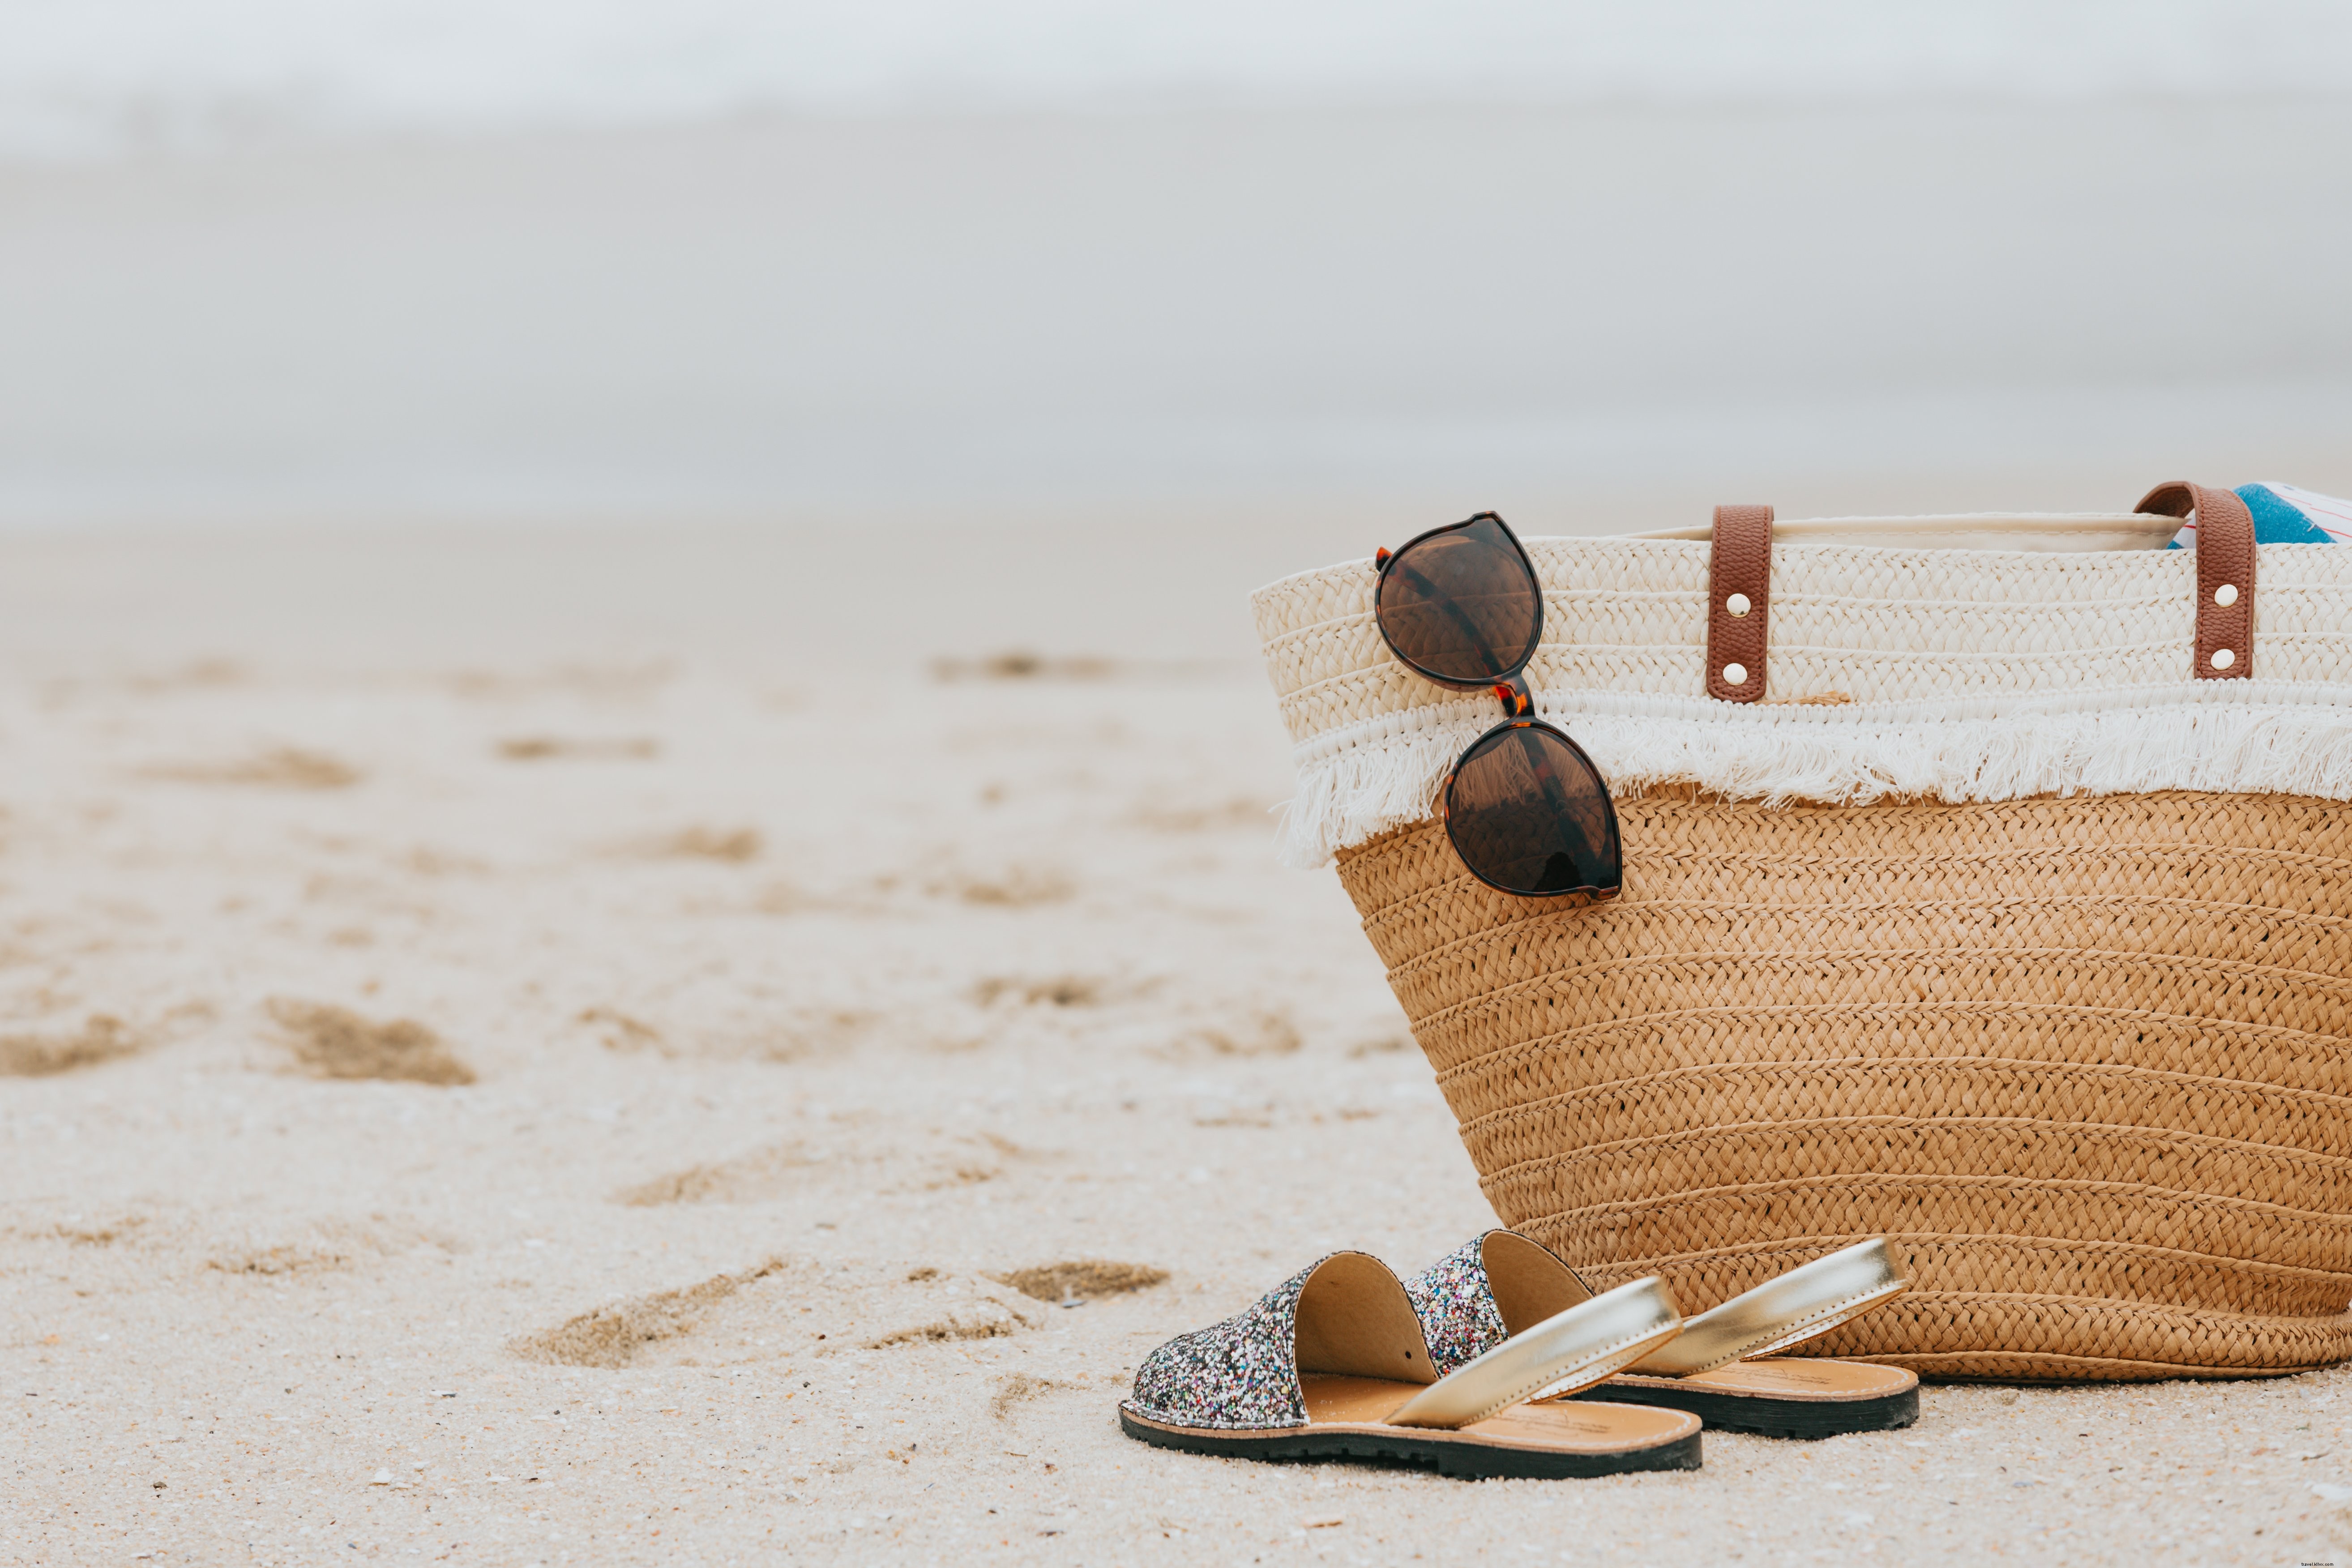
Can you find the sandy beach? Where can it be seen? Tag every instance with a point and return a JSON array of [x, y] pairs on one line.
[[639, 917], [546, 1097]]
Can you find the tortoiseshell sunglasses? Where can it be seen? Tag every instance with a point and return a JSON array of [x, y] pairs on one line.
[[1524, 806]]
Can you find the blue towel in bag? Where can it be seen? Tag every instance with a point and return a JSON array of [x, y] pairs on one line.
[[2287, 514]]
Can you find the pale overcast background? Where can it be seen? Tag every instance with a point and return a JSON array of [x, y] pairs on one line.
[[298, 262]]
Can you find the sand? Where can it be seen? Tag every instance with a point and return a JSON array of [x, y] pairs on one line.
[[719, 1020], [484, 1088]]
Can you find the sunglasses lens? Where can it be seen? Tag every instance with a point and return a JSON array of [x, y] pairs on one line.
[[1529, 814], [1460, 605]]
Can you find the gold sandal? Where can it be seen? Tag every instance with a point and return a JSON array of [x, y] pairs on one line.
[[1484, 1292]]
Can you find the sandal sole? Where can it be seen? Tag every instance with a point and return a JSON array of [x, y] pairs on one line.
[[1469, 1461], [1772, 1417]]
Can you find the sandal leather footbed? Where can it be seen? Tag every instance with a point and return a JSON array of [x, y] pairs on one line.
[[1346, 1418], [1791, 1397]]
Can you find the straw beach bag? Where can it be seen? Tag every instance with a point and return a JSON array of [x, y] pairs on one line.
[[2004, 910]]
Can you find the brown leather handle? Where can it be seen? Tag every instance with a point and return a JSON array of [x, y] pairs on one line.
[[1738, 602], [2225, 574]]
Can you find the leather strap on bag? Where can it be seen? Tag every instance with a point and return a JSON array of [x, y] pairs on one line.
[[2225, 574], [1739, 601]]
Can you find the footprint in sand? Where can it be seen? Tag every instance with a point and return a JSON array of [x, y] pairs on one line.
[[78, 1232], [778, 1169], [556, 748], [101, 1039], [1014, 1388], [326, 1246], [737, 846], [1021, 664], [616, 1031], [817, 1032], [1082, 1280], [1015, 887], [1267, 1032], [781, 1310], [1052, 991], [760, 1174], [617, 1334], [282, 767], [335, 1042]]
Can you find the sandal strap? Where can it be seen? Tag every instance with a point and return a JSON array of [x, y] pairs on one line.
[[1573, 1350], [1783, 1311]]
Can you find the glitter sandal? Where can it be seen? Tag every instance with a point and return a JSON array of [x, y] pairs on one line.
[[1333, 1364], [1486, 1293]]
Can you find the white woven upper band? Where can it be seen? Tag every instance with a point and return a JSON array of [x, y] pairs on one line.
[[1958, 675]]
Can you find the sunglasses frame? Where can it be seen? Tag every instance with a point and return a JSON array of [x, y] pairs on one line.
[[1510, 686]]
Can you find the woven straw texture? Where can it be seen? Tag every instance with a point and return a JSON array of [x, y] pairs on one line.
[[2082, 1062], [1955, 675], [1989, 930]]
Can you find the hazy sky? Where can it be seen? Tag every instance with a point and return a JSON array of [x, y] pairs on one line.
[[81, 77], [1340, 256]]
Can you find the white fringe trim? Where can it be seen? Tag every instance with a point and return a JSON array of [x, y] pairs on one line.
[[2239, 736]]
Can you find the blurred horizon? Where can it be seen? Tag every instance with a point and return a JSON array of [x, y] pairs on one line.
[[84, 78], [1185, 299]]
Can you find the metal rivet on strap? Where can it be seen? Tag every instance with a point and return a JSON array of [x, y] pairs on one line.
[[2223, 660], [2226, 595], [1737, 674], [1738, 605]]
